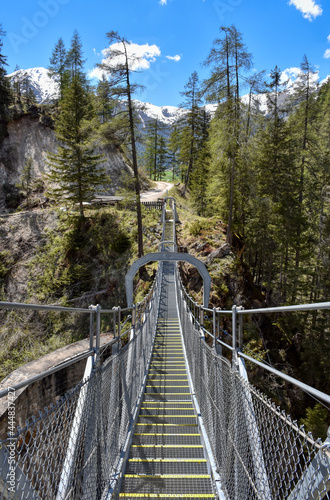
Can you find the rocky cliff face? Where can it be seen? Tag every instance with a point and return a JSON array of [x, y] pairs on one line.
[[21, 236], [31, 137]]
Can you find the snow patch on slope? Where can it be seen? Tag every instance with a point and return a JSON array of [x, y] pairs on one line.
[[45, 88]]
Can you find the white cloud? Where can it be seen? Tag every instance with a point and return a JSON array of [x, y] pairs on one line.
[[309, 8], [163, 2], [139, 56], [96, 73], [290, 75], [328, 38], [326, 54], [174, 58]]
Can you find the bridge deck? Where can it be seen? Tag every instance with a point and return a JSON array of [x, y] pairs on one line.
[[166, 458]]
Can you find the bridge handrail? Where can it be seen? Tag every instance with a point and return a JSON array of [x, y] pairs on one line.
[[237, 350], [94, 350], [259, 451], [97, 412]]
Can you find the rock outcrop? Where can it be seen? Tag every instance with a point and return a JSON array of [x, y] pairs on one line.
[[31, 137]]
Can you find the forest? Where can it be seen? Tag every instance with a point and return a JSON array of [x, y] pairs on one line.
[[261, 166]]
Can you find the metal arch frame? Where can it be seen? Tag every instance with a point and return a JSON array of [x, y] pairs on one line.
[[169, 257]]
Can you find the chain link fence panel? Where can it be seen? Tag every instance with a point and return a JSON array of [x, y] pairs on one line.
[[260, 453], [71, 449]]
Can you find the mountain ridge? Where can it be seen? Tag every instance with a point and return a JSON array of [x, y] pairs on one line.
[[46, 90]]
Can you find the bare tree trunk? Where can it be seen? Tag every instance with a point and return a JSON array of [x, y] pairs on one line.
[[229, 238], [135, 166]]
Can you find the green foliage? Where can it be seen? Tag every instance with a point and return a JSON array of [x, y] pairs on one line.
[[59, 65], [6, 261], [316, 421], [65, 265], [27, 335], [200, 225], [5, 93], [156, 157], [75, 172], [118, 67]]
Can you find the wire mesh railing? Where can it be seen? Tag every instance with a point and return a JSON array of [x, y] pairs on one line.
[[72, 448], [260, 453], [75, 445]]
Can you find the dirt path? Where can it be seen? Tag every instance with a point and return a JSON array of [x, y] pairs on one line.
[[158, 192]]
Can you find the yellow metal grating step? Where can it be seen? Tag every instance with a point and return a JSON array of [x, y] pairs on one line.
[[166, 457]]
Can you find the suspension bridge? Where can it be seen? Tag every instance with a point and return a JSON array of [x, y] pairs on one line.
[[158, 411]]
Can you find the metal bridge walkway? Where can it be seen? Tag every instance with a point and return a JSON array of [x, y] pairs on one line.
[[166, 458]]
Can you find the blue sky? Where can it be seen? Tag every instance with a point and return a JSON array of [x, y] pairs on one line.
[[175, 35]]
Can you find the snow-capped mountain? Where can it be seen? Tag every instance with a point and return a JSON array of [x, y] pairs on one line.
[[168, 115], [45, 88]]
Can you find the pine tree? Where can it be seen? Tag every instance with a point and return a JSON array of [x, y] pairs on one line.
[[5, 94], [155, 156], [193, 104], [27, 94], [119, 68], [163, 157], [321, 277], [230, 60], [200, 174], [273, 210], [105, 103], [303, 119], [58, 64], [74, 60], [150, 156], [17, 92], [174, 150], [75, 171]]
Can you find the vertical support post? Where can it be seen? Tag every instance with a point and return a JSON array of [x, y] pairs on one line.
[[173, 225], [119, 326], [133, 319], [115, 347], [214, 327], [201, 321], [114, 321], [91, 328], [218, 346], [98, 332], [240, 329], [234, 328]]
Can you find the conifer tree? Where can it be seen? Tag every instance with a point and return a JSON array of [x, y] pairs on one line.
[[75, 171], [58, 64], [74, 60], [193, 103], [199, 176], [273, 211], [163, 157], [229, 60], [17, 92], [27, 94], [118, 67], [150, 156], [174, 150], [304, 116], [5, 94], [321, 275], [104, 102], [156, 154]]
